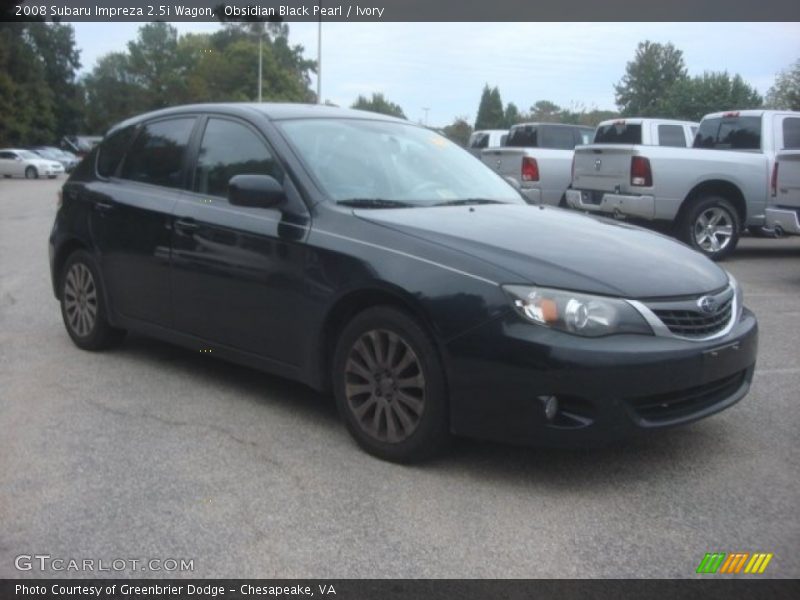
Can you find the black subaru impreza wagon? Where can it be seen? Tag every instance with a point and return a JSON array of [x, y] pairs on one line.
[[372, 257]]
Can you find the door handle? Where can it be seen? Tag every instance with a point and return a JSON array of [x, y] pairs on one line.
[[186, 225], [103, 207]]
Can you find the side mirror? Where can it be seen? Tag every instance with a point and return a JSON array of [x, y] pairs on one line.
[[257, 191]]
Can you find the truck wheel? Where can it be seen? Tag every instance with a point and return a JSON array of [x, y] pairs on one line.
[[390, 386], [711, 226]]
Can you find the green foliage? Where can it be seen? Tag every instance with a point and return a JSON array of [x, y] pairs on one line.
[[378, 104], [459, 131], [512, 115], [162, 68], [545, 111], [655, 69], [490, 110], [785, 92], [37, 69], [692, 98]]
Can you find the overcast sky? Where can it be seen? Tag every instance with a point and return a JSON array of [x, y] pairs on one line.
[[443, 66]]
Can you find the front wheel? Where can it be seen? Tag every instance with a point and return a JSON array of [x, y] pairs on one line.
[[31, 173], [711, 226], [390, 386], [83, 306]]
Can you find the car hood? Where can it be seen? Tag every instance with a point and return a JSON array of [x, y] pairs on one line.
[[552, 247]]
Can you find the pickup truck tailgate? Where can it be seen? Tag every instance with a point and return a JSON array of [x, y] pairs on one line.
[[507, 162], [788, 184], [602, 167]]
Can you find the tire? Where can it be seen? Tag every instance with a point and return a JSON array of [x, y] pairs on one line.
[[390, 386], [83, 304], [711, 226], [31, 173]]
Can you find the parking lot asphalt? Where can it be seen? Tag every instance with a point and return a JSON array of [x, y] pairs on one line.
[[151, 451]]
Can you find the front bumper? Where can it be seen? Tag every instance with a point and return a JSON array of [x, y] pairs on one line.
[[643, 207], [608, 388], [785, 219]]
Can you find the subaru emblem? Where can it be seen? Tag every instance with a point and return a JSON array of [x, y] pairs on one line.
[[707, 304]]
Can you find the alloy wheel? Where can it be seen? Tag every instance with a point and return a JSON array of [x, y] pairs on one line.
[[385, 386], [80, 299], [713, 229]]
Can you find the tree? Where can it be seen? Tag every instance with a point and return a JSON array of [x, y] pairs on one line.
[[648, 78], [785, 92], [26, 101], [545, 111], [54, 44], [458, 131], [512, 115], [379, 104], [490, 110], [161, 68], [692, 98]]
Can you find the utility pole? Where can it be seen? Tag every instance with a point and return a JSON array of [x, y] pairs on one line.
[[426, 109]]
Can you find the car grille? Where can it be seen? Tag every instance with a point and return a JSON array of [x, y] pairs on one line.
[[675, 406], [693, 323]]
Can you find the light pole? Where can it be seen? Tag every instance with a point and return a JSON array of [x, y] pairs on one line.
[[260, 39], [319, 56], [426, 109]]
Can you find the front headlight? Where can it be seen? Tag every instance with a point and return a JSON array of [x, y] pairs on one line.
[[576, 313], [738, 296]]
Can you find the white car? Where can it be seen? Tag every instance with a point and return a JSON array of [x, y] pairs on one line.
[[24, 163]]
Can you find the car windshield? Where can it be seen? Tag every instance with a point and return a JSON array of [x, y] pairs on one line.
[[28, 154], [381, 164]]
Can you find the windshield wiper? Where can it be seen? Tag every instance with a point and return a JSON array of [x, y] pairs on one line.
[[374, 203], [468, 201]]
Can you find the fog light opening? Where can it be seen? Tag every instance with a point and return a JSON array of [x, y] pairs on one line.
[[550, 406]]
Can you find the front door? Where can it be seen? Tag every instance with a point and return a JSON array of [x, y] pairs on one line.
[[237, 272]]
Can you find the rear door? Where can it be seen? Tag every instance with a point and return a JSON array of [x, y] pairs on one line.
[[237, 272], [131, 214], [787, 190]]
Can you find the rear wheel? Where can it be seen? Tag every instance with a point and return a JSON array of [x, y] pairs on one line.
[[31, 173], [83, 306], [711, 226], [390, 387]]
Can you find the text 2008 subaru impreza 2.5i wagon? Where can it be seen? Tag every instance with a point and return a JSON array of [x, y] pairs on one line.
[[371, 256]]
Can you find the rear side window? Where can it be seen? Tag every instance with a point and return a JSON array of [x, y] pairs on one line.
[[619, 133], [791, 133], [112, 150], [230, 148], [561, 138], [671, 135], [729, 133], [523, 137], [8, 155], [157, 155], [480, 140]]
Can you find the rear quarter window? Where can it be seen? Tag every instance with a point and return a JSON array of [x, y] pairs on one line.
[[791, 133], [619, 133], [671, 135], [112, 149], [157, 155]]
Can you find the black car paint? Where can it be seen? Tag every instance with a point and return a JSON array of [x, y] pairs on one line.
[[268, 288]]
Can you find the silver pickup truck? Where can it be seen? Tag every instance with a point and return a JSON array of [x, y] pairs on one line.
[[538, 156], [709, 192], [783, 209]]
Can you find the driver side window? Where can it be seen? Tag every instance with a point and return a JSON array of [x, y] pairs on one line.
[[228, 149]]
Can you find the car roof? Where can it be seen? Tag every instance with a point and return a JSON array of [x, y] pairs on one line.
[[751, 112], [272, 111], [642, 120]]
